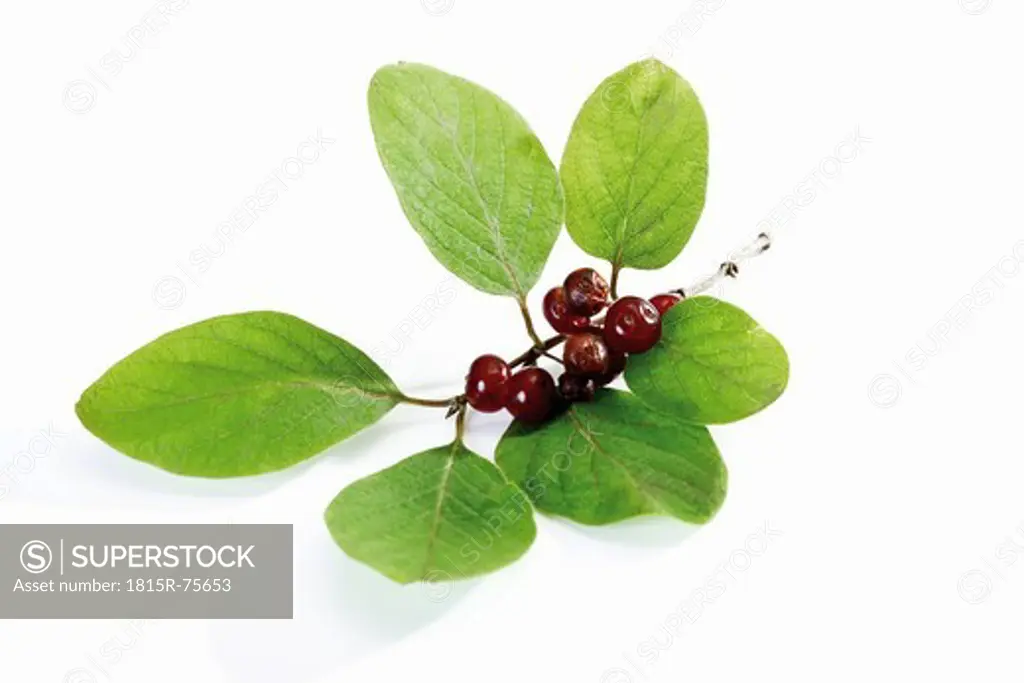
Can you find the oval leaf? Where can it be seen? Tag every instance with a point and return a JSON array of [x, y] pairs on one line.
[[439, 515], [613, 459], [237, 395], [471, 176], [635, 167], [713, 365]]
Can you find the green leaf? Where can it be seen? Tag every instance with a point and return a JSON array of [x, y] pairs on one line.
[[439, 515], [635, 167], [714, 364], [237, 395], [613, 459], [471, 176]]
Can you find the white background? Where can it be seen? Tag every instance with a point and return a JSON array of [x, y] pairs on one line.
[[889, 474]]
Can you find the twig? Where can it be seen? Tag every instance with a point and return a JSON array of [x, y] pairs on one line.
[[730, 268]]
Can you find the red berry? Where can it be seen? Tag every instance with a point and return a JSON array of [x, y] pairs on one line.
[[585, 354], [575, 389], [616, 364], [586, 291], [556, 311], [486, 384], [663, 302], [531, 395], [633, 325]]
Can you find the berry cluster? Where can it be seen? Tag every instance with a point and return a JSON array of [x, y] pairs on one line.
[[595, 351]]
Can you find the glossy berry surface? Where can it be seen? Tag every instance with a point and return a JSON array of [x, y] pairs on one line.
[[558, 315], [531, 395], [586, 292], [575, 389], [585, 354], [616, 364], [633, 325], [663, 302], [486, 384]]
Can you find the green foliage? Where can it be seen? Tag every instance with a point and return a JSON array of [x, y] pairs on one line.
[[714, 364], [635, 167], [257, 392], [471, 176], [613, 459], [237, 395], [439, 515]]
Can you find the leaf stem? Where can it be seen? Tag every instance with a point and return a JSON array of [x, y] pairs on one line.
[[430, 402], [553, 357], [534, 337], [615, 280], [460, 422], [531, 355]]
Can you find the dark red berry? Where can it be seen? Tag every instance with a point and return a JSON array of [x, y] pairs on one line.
[[556, 312], [586, 291], [616, 364], [663, 302], [531, 395], [575, 389], [486, 384], [633, 325], [585, 354]]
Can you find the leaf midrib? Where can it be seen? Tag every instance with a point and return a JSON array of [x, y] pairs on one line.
[[257, 386], [492, 224], [589, 437], [435, 523], [730, 374]]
